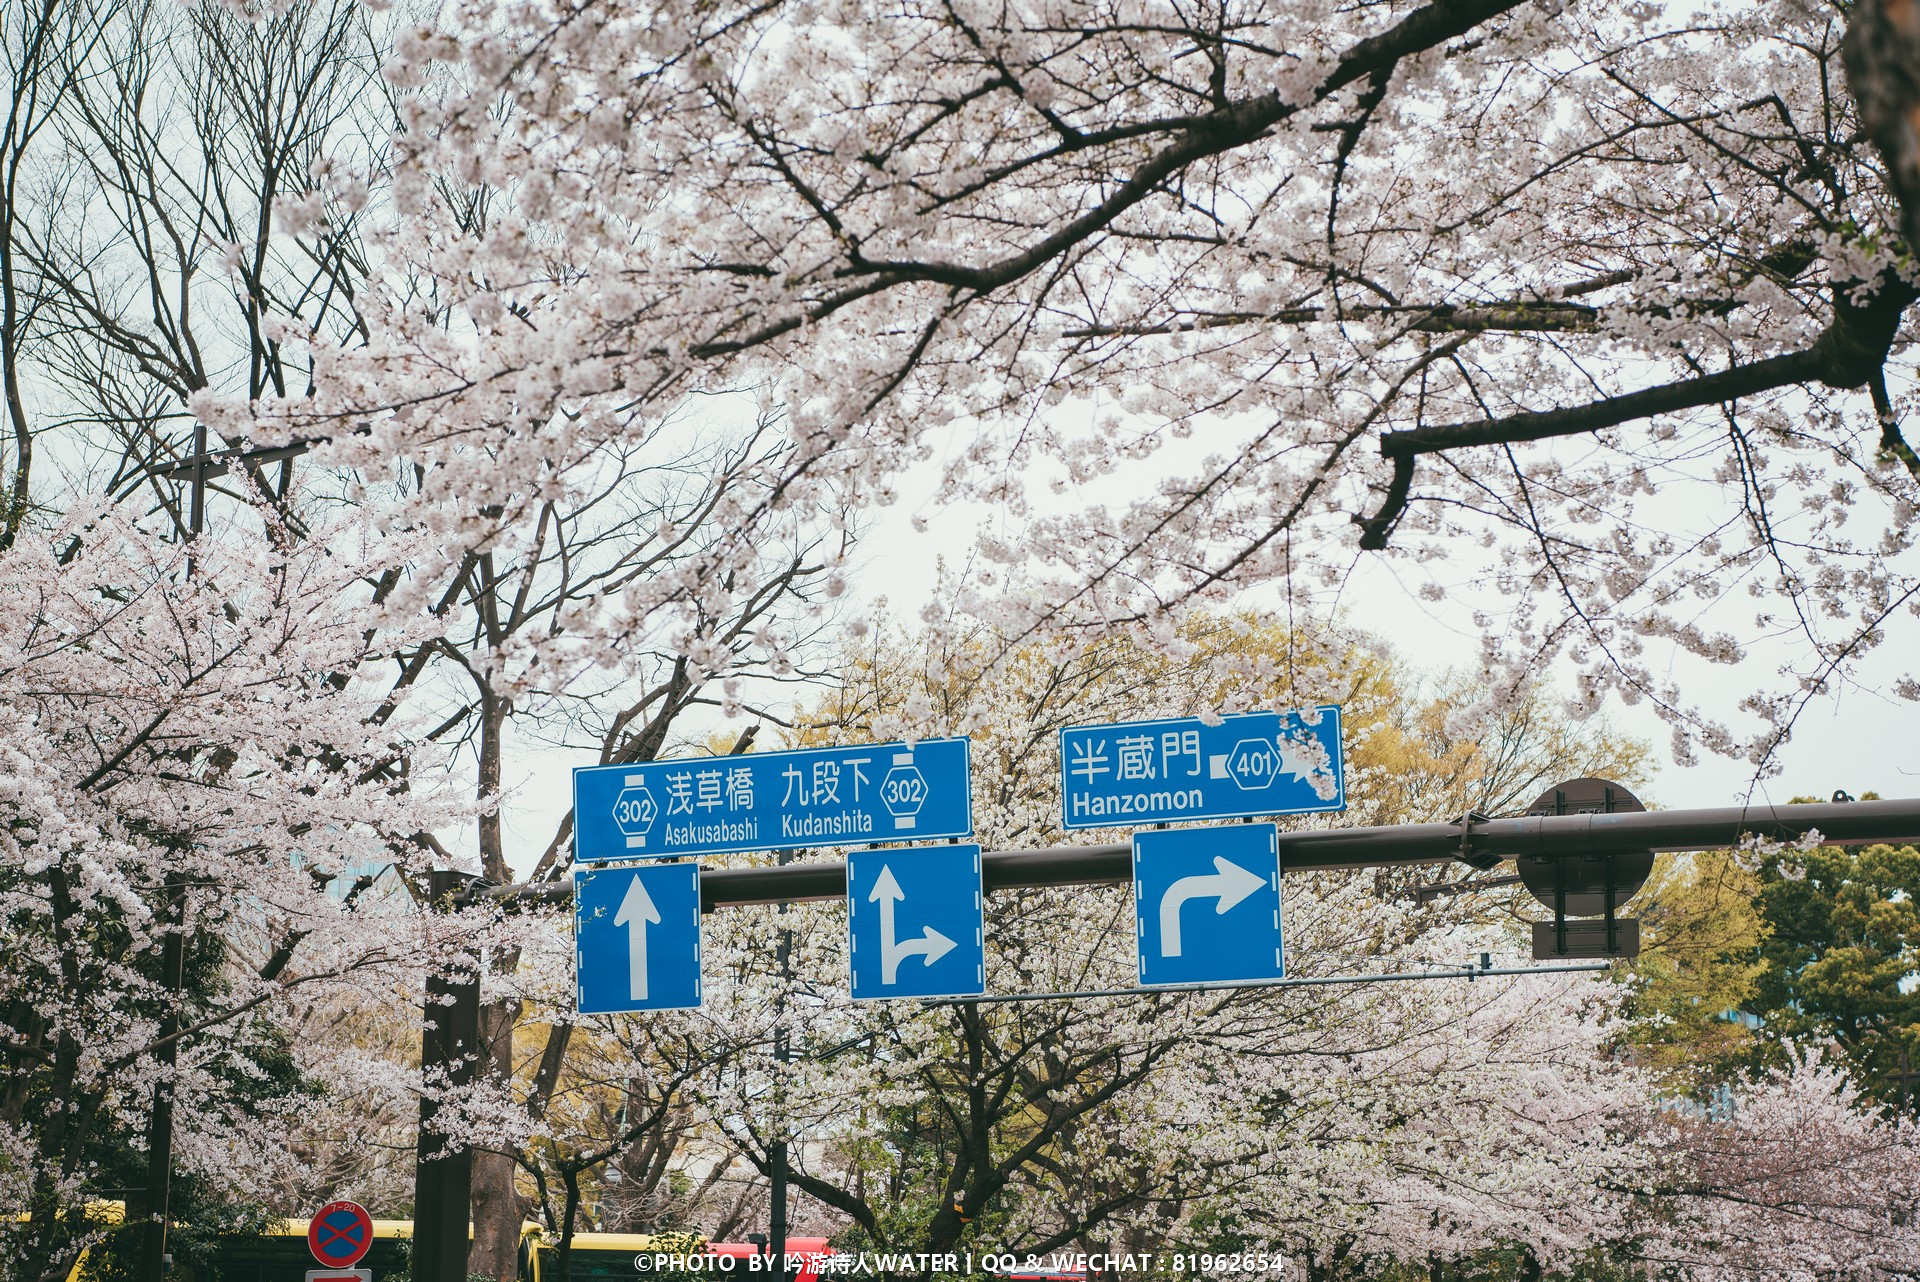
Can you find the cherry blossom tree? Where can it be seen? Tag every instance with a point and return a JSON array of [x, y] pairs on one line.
[[1606, 293], [181, 765], [168, 154], [1793, 1177]]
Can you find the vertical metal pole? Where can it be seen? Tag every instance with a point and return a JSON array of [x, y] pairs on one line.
[[1560, 905], [157, 1196], [777, 1209], [1613, 925], [1560, 884], [197, 507], [153, 1263], [443, 1172], [778, 1160]]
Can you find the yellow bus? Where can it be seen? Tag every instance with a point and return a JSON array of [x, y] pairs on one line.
[[98, 1214], [612, 1257], [279, 1254]]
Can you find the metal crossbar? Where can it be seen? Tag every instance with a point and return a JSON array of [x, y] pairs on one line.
[[1838, 823], [1312, 981]]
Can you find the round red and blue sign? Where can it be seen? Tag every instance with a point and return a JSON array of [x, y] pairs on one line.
[[339, 1234]]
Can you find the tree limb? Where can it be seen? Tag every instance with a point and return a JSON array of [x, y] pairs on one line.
[[1847, 354]]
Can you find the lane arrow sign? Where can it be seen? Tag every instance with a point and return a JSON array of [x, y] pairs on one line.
[[931, 946], [636, 912], [1229, 884]]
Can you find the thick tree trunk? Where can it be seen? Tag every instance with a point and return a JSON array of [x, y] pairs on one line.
[[563, 1253], [498, 1207]]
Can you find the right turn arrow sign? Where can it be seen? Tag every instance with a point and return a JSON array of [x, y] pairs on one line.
[[1229, 883]]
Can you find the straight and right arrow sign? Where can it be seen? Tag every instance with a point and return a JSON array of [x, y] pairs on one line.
[[929, 947], [914, 923], [1207, 905]]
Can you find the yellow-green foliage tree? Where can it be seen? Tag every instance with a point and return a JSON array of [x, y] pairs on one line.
[[1699, 967], [1429, 757]]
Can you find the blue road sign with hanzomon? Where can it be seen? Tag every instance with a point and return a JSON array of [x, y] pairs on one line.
[[1181, 769], [1207, 905], [637, 938], [915, 923], [773, 800]]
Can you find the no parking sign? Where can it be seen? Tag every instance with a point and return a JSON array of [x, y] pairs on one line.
[[339, 1234]]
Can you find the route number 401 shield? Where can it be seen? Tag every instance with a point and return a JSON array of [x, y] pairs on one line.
[[1207, 905]]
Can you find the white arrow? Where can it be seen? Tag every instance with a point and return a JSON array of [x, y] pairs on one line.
[[931, 946], [1299, 760], [636, 911], [1230, 884]]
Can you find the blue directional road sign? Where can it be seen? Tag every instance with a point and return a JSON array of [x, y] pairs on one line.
[[914, 923], [773, 800], [637, 937], [1207, 905], [1181, 769]]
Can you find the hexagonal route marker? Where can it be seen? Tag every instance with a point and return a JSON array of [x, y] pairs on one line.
[[904, 791], [1253, 763], [634, 813]]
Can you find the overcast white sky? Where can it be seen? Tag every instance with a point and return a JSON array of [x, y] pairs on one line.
[[1856, 739]]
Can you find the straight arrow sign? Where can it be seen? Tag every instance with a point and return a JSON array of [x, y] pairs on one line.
[[1229, 883], [636, 913], [637, 938]]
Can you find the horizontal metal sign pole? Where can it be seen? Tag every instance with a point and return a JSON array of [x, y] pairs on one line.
[[1850, 823], [1312, 981]]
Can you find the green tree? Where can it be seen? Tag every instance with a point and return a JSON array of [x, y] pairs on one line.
[[1839, 961]]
